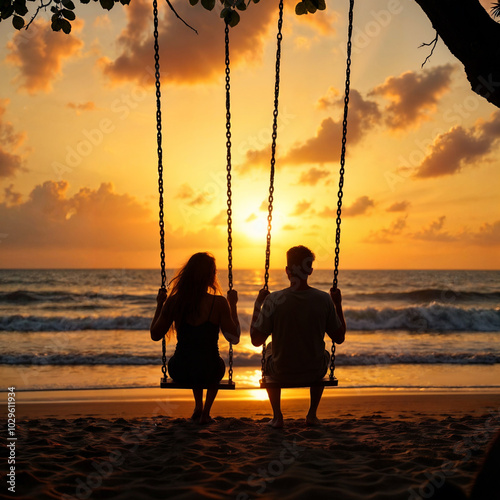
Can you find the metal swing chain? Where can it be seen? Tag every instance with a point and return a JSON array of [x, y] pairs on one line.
[[160, 172], [342, 167], [229, 192], [279, 38]]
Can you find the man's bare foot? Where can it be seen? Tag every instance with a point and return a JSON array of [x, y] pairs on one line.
[[276, 422], [313, 420]]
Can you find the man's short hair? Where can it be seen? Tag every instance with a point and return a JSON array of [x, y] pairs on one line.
[[299, 261]]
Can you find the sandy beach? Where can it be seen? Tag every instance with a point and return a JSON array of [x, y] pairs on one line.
[[141, 444]]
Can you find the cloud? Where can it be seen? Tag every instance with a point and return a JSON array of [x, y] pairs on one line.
[[192, 198], [41, 56], [360, 206], [11, 197], [325, 146], [186, 58], [301, 207], [434, 232], [313, 176], [84, 106], [459, 147], [92, 219], [10, 141], [220, 219], [488, 234], [399, 206], [321, 21], [413, 95], [386, 235]]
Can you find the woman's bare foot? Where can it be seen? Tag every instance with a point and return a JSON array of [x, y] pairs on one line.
[[276, 422], [196, 414]]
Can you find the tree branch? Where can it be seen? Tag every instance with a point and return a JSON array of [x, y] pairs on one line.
[[433, 43], [179, 17], [42, 6], [472, 37]]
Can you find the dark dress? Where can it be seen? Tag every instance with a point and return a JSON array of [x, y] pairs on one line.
[[196, 360]]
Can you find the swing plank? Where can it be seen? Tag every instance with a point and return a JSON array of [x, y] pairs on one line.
[[268, 382], [168, 383]]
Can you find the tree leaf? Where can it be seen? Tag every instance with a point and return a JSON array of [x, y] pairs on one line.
[[20, 7], [125, 2], [241, 5], [208, 4], [321, 5], [68, 4], [68, 14], [56, 24], [84, 1], [66, 26], [234, 19], [300, 9], [107, 4], [18, 22], [7, 11], [310, 6], [193, 2]]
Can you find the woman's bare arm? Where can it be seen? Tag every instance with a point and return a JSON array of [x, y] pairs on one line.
[[163, 317]]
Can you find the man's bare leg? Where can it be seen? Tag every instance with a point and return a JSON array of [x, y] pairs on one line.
[[274, 394], [316, 392]]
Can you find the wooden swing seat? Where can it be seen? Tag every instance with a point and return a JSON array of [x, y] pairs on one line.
[[268, 382], [168, 383]]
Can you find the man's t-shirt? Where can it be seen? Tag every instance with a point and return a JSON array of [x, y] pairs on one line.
[[298, 321]]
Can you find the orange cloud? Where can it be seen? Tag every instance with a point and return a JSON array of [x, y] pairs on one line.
[[386, 235], [488, 234], [399, 206], [84, 106], [90, 220], [301, 207], [41, 55], [434, 232], [10, 140], [313, 176], [360, 206], [413, 95], [459, 147], [186, 57], [325, 146]]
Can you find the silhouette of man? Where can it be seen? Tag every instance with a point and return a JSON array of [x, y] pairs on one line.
[[297, 317]]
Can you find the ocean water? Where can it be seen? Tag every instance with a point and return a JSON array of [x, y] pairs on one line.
[[88, 329]]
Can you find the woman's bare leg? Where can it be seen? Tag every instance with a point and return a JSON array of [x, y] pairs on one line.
[[209, 400], [198, 403]]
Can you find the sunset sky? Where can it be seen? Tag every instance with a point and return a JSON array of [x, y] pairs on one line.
[[78, 141]]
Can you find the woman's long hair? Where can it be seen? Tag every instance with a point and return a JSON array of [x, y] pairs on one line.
[[190, 284]]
